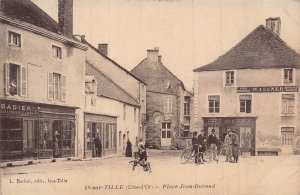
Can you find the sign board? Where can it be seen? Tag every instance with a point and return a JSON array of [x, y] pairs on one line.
[[267, 89]]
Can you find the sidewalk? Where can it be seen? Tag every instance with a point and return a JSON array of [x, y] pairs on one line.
[[53, 160]]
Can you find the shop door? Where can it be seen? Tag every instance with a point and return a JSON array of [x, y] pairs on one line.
[[166, 134], [29, 140]]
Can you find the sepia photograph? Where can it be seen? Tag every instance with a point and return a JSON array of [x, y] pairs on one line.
[[149, 97]]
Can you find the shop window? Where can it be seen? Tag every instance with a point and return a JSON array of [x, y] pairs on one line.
[[56, 52], [91, 130], [56, 86], [16, 79], [288, 75], [245, 103], [288, 103], [246, 139], [168, 103], [107, 136], [14, 39], [214, 104], [287, 134], [229, 78]]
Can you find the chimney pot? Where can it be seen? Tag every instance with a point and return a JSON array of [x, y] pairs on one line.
[[274, 24], [65, 17], [103, 48], [159, 58]]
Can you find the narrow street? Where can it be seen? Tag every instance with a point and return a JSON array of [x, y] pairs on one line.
[[252, 175]]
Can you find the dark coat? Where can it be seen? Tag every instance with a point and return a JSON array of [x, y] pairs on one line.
[[128, 149], [212, 139]]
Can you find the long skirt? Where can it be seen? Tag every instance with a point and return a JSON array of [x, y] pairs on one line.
[[235, 152]]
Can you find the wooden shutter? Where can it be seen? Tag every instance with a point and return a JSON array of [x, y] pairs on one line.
[[50, 85], [6, 78], [63, 88], [23, 89]]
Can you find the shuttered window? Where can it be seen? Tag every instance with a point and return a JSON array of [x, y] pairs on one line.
[[214, 104], [15, 79], [56, 86], [288, 103]]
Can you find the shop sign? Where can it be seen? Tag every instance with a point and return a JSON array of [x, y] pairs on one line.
[[231, 120], [267, 89], [16, 108]]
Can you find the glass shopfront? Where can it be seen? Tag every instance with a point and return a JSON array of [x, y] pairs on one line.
[[244, 127], [30, 131]]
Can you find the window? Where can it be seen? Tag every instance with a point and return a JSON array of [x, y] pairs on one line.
[[166, 130], [229, 78], [214, 104], [124, 112], [16, 79], [56, 52], [168, 102], [288, 103], [186, 109], [14, 39], [56, 86], [288, 75], [245, 103], [287, 134], [186, 131], [134, 115]]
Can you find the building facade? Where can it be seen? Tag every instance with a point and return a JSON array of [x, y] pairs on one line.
[[166, 97], [252, 89], [39, 107]]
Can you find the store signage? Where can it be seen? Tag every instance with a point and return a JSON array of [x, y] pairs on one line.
[[16, 108], [230, 120], [267, 89]]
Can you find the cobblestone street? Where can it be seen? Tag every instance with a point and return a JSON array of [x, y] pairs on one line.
[[252, 175]]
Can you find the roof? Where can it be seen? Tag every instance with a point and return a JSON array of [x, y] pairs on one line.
[[259, 49], [156, 75], [27, 11], [115, 63], [107, 87]]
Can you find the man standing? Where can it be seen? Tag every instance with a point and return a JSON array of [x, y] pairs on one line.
[[235, 146], [212, 141], [201, 140], [195, 146], [228, 146]]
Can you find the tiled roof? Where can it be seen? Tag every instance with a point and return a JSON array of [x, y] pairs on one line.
[[107, 87], [27, 11], [156, 76], [259, 49]]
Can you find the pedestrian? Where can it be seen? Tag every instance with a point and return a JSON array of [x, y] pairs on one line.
[[128, 152], [195, 146], [235, 146], [201, 142], [93, 148], [228, 146], [212, 142], [96, 141], [100, 148], [56, 148]]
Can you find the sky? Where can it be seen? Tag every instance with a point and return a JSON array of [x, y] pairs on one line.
[[189, 33]]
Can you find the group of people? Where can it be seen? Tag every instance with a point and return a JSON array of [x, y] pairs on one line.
[[200, 144]]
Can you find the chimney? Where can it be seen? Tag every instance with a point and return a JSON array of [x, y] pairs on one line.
[[274, 24], [159, 58], [65, 17], [103, 48], [152, 54]]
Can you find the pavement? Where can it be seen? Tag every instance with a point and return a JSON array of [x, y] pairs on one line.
[[252, 175]]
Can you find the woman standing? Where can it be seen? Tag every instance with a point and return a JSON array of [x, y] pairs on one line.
[[128, 152]]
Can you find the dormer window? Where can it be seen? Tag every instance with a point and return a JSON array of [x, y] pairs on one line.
[[56, 52], [168, 84], [14, 39], [288, 76]]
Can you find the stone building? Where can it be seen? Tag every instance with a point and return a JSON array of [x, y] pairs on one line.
[[165, 103], [114, 109], [252, 89], [38, 63]]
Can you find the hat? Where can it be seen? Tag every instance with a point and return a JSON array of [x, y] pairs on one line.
[[228, 130]]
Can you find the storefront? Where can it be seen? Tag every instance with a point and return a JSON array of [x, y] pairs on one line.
[[33, 131], [103, 127], [244, 127]]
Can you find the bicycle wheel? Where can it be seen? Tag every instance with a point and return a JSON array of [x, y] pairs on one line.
[[186, 156], [221, 157], [209, 156]]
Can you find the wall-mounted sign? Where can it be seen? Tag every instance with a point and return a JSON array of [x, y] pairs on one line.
[[267, 89], [17, 108]]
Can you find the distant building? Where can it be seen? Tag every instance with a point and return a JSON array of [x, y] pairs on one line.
[[40, 64], [168, 121], [252, 89], [115, 104]]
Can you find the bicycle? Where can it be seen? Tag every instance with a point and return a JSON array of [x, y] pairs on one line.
[[143, 163], [221, 153], [187, 155]]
